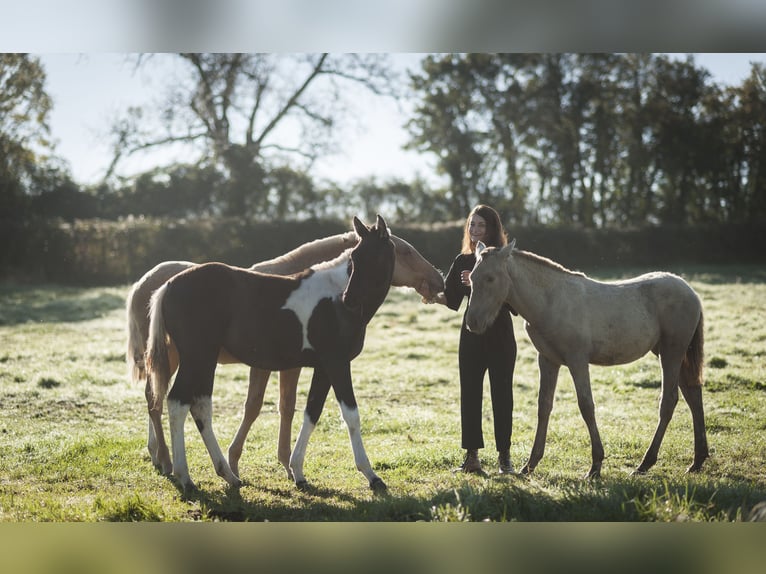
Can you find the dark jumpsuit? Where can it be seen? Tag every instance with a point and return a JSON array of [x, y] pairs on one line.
[[493, 351]]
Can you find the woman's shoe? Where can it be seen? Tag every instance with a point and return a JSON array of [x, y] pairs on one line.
[[471, 464], [504, 462]]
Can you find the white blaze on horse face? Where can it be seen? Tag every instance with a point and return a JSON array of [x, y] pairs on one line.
[[322, 284]]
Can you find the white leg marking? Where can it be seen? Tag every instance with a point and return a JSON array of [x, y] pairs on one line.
[[202, 411], [177, 414], [351, 416], [299, 451]]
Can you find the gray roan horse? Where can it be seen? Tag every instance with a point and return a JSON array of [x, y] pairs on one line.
[[316, 318], [575, 321], [410, 270]]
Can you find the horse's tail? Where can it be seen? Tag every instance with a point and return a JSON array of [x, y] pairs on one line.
[[136, 343], [157, 361], [691, 367]]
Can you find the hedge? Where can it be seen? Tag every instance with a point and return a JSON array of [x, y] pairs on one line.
[[107, 252]]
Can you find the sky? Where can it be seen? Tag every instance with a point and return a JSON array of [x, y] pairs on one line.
[[89, 90]]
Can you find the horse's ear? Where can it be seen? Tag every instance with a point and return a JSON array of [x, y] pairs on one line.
[[508, 249], [480, 247], [382, 227], [361, 229]]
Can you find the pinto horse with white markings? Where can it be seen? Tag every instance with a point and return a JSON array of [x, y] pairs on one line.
[[410, 270], [575, 321], [317, 318]]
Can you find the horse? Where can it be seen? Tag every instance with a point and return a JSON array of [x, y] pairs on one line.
[[316, 318], [576, 321], [411, 270]]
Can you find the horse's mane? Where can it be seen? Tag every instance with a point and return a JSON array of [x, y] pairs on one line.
[[345, 256], [544, 261], [306, 255]]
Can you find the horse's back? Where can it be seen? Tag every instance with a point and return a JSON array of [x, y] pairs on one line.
[[670, 294], [628, 318]]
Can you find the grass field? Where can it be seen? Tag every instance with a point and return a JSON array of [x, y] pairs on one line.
[[73, 429]]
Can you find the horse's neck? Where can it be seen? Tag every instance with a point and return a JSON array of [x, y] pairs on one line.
[[374, 301], [307, 255], [534, 283]]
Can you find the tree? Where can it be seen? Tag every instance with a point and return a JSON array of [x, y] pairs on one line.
[[471, 116], [248, 113], [593, 140], [24, 130]]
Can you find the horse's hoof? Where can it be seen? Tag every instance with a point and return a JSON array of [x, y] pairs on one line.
[[188, 490], [638, 472], [525, 471], [377, 485], [302, 485]]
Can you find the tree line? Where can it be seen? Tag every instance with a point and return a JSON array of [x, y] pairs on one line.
[[583, 140]]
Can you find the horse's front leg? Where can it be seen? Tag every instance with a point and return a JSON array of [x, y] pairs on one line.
[[320, 386], [259, 379], [549, 373], [344, 392], [288, 385], [581, 376]]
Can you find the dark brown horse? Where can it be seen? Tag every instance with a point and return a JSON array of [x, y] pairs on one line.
[[410, 270], [316, 318]]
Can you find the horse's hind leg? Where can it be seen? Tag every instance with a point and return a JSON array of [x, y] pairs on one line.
[[549, 373], [288, 385], [202, 411], [156, 444], [671, 364], [693, 396], [177, 412], [259, 378]]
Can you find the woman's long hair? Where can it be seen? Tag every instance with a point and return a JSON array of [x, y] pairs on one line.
[[495, 235]]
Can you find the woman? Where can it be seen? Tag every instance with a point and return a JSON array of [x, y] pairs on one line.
[[493, 351]]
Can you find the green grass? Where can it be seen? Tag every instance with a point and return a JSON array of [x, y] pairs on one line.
[[73, 430]]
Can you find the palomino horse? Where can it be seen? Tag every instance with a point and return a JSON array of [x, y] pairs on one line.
[[317, 318], [575, 321], [411, 270]]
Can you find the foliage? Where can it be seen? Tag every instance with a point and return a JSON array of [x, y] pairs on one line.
[[593, 139], [108, 252], [24, 131], [72, 440], [588, 141], [253, 115]]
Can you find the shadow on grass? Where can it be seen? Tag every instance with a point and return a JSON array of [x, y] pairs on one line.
[[54, 304], [497, 499]]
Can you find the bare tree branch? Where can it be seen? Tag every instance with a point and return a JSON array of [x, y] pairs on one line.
[[240, 100], [292, 100]]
